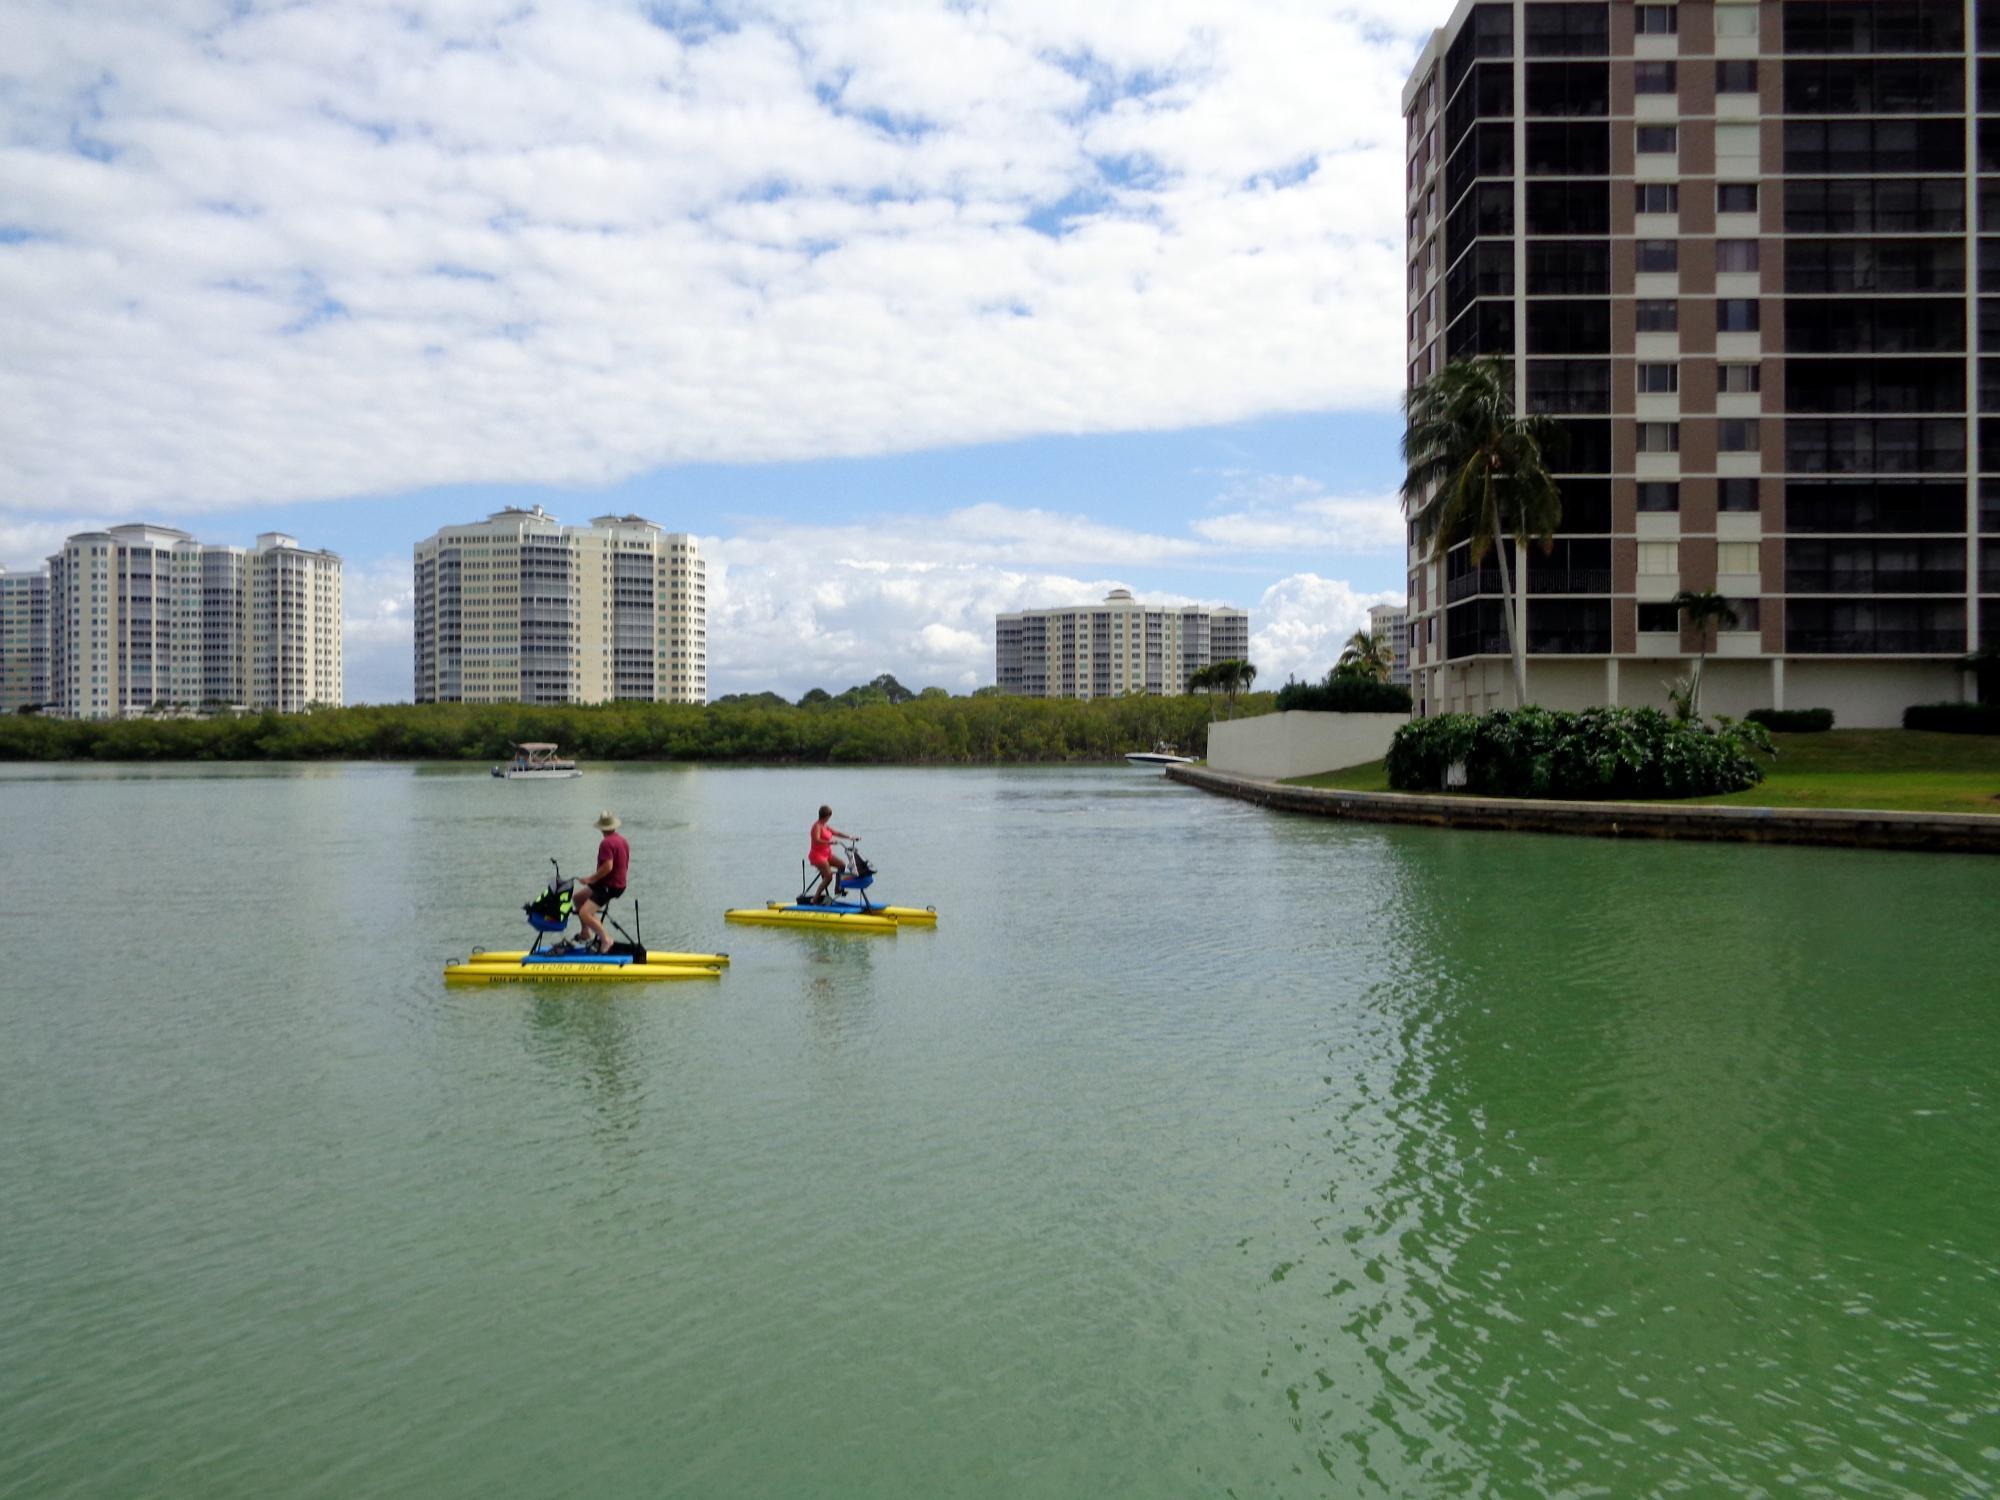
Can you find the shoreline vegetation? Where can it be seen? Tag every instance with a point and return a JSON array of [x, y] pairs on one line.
[[931, 728], [1873, 770]]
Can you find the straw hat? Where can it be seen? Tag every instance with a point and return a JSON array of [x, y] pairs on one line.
[[607, 821]]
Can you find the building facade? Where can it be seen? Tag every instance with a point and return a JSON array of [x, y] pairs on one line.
[[146, 617], [24, 640], [1734, 249], [1390, 623], [521, 608], [1114, 649]]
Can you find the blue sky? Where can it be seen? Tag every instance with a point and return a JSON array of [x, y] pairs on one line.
[[912, 312]]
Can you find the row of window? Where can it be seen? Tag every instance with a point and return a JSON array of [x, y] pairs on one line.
[[1486, 210]]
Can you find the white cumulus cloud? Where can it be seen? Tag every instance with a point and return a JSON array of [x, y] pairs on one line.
[[259, 253]]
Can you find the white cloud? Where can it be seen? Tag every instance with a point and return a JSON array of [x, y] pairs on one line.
[[375, 603], [254, 255], [1302, 622]]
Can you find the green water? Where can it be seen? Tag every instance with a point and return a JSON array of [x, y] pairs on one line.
[[1199, 1151]]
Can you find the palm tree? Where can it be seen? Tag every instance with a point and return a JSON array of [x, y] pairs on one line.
[[1478, 473], [1366, 655], [1201, 679], [1703, 610]]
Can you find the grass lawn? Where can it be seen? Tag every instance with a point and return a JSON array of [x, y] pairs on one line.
[[1894, 770]]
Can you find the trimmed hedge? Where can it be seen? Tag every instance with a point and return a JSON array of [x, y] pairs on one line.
[[1595, 753], [1792, 720], [1334, 694], [1954, 718]]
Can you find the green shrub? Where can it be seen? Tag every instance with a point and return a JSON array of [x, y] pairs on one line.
[[1335, 694], [1598, 752], [1793, 720], [1954, 718]]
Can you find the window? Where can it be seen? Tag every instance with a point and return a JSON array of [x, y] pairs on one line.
[[1736, 315], [1736, 75], [1736, 197], [1569, 385], [1851, 206], [1658, 198], [1567, 88], [1659, 380], [1562, 30], [1562, 148], [1864, 325], [1735, 435], [1570, 208], [1657, 316], [1659, 496], [1659, 437], [1658, 139], [1562, 327], [1874, 26], [1860, 86], [1656, 20], [1657, 255], [1735, 20], [1735, 255], [1659, 618], [1736, 495], [1660, 559], [1736, 557], [1566, 268], [1900, 145], [1653, 78], [1736, 380]]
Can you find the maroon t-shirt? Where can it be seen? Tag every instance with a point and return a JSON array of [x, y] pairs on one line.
[[615, 849]]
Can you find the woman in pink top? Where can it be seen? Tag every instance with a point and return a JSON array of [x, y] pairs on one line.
[[822, 856]]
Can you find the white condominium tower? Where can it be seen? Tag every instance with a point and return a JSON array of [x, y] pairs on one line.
[[1113, 649], [24, 640], [520, 608], [145, 616], [1390, 623]]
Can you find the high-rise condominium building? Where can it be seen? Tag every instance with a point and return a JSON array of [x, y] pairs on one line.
[[521, 608], [1113, 649], [146, 616], [24, 640], [1390, 623], [1736, 251]]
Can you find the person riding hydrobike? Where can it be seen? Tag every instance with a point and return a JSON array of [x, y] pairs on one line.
[[820, 854], [605, 884]]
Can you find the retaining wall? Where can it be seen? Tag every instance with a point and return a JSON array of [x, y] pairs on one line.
[[1275, 746], [1960, 832]]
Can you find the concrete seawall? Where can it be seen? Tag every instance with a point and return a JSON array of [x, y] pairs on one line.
[[1969, 833]]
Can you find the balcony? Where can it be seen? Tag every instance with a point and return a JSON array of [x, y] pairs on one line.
[[1875, 581], [1876, 642]]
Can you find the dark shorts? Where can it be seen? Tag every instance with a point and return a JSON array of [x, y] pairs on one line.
[[603, 895]]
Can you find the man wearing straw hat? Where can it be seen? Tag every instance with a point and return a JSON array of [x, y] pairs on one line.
[[606, 883]]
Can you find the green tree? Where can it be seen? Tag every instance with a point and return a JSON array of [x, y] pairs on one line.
[[1368, 656], [1478, 473], [1704, 610]]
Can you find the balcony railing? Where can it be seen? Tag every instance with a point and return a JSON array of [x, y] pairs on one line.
[[1875, 581], [1565, 581], [1876, 642]]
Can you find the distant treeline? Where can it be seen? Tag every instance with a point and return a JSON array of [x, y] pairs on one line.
[[933, 728]]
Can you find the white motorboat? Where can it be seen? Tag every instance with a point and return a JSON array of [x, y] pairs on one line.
[[1162, 754], [537, 763]]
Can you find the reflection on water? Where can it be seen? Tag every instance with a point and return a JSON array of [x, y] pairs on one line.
[[1198, 1150]]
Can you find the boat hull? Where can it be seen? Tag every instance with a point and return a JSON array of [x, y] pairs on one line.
[[653, 956], [902, 916], [576, 973], [819, 917], [1145, 758]]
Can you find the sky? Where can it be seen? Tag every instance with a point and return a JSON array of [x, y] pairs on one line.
[[911, 312]]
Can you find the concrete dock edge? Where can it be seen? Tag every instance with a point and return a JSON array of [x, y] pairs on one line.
[[1964, 833]]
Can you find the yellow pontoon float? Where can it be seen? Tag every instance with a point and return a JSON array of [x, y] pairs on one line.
[[840, 915]]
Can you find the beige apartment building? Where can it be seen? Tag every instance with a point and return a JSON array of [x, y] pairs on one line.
[[24, 640], [1747, 257], [144, 617], [1113, 649], [520, 608], [1389, 622]]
